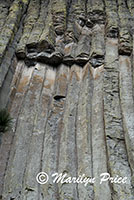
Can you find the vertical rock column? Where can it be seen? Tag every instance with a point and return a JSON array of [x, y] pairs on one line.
[[18, 92], [31, 189], [53, 132], [15, 175], [68, 163], [98, 138], [84, 134], [96, 22], [116, 149], [8, 33], [77, 42], [126, 78], [127, 106], [31, 18], [114, 129], [11, 26]]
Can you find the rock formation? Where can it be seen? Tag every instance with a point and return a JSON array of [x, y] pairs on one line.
[[67, 78]]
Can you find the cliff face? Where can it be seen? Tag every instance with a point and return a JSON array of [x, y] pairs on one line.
[[66, 75]]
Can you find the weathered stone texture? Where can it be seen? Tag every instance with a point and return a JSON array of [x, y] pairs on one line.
[[67, 78], [30, 20], [112, 20], [114, 130]]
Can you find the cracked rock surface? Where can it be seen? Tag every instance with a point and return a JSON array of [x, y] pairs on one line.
[[67, 79]]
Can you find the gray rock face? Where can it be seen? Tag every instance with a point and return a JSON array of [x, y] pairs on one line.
[[66, 76]]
